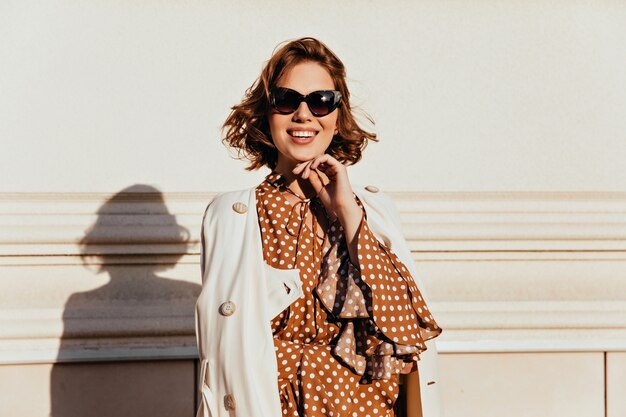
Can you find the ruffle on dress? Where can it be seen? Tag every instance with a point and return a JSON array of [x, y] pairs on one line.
[[386, 318]]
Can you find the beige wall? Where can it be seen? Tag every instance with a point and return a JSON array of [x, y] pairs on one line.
[[501, 127], [145, 388], [468, 95]]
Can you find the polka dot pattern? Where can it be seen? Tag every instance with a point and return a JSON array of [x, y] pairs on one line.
[[341, 346]]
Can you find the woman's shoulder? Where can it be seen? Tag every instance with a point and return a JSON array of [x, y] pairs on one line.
[[236, 201], [373, 196], [379, 206]]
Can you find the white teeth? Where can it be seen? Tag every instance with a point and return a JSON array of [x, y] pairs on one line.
[[302, 133]]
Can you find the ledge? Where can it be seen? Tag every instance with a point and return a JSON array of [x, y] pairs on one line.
[[97, 277]]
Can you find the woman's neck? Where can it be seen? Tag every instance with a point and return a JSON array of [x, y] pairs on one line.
[[296, 184]]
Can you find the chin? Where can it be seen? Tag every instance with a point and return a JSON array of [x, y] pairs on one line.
[[302, 155], [303, 158]]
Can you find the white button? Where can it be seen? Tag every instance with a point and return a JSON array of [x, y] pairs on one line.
[[227, 308], [229, 402], [371, 189], [240, 207]]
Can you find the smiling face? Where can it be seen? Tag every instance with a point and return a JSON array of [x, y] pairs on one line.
[[300, 136]]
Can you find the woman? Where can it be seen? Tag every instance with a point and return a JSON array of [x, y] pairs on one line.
[[309, 305]]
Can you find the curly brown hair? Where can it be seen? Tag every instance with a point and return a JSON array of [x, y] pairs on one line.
[[247, 126]]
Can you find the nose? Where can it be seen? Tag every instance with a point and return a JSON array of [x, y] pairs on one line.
[[302, 113]]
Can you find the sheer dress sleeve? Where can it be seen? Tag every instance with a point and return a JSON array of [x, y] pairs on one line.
[[385, 319]]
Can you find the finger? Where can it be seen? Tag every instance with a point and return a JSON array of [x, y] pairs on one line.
[[323, 177], [316, 181], [299, 167], [324, 159], [307, 171], [318, 161]]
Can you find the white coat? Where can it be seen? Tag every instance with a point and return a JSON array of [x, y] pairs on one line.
[[241, 294]]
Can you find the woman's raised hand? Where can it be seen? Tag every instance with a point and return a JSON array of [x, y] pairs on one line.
[[335, 192], [329, 179]]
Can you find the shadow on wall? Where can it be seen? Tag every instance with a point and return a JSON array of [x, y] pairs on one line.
[[135, 314]]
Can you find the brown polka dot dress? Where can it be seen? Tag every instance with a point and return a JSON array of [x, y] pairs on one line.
[[341, 346]]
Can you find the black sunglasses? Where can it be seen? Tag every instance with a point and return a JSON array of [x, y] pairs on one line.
[[321, 103]]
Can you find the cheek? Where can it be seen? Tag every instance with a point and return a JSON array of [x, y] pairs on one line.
[[333, 124], [271, 122], [275, 122]]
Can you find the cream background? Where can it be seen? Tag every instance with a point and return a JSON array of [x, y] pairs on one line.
[[467, 95]]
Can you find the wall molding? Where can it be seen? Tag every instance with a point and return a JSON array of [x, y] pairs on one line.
[[509, 271], [53, 223]]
